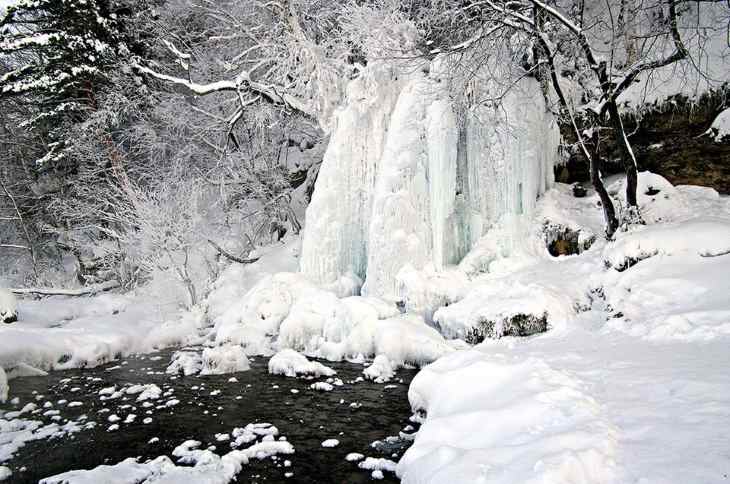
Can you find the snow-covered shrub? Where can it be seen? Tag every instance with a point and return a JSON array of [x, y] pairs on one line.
[[8, 306]]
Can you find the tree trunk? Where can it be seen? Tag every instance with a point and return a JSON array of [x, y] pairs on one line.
[[609, 213], [627, 156]]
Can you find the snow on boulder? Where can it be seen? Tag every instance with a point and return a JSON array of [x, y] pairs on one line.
[[501, 307], [290, 363], [224, 359], [8, 306], [701, 236], [380, 371], [503, 420]]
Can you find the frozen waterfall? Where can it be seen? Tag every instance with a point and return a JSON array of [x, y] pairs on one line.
[[407, 183]]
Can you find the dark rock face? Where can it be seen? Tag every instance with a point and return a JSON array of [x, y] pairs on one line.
[[669, 140], [517, 325]]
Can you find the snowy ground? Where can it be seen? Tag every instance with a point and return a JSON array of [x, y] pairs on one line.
[[629, 385]]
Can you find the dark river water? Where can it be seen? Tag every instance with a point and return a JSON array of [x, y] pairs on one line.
[[306, 419]]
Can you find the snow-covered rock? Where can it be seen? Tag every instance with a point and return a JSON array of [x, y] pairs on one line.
[[8, 306], [224, 359], [290, 363]]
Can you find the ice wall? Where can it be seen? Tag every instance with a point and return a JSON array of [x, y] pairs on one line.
[[335, 241], [408, 183]]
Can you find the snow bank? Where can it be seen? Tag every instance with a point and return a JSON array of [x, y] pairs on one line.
[[8, 306], [63, 332], [290, 363], [501, 420], [224, 359]]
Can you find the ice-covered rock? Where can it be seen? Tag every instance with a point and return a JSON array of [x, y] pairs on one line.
[[380, 371], [290, 363], [224, 359], [8, 306]]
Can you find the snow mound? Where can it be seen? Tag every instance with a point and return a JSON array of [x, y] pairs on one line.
[[8, 306], [380, 371], [703, 236], [290, 363], [498, 420]]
